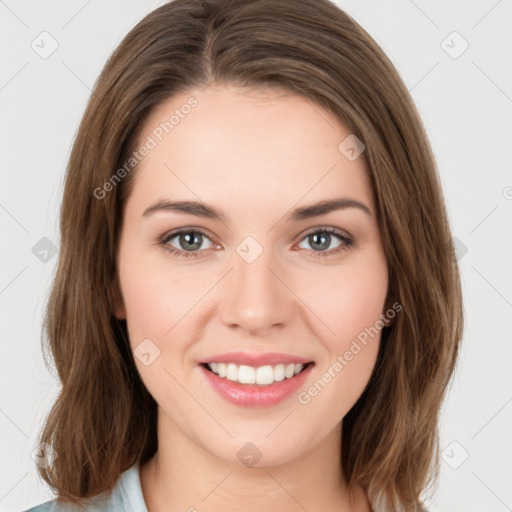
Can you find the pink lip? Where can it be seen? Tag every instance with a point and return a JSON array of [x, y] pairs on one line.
[[255, 360], [248, 395]]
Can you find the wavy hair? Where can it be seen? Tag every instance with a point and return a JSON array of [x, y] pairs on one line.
[[104, 419]]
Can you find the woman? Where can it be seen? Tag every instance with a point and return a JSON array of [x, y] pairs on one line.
[[256, 305]]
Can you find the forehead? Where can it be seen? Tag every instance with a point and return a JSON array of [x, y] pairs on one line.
[[229, 145]]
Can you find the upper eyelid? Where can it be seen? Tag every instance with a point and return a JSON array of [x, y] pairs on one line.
[[331, 229]]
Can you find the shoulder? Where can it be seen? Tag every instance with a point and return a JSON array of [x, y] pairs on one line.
[[93, 504], [55, 506], [44, 507], [126, 496]]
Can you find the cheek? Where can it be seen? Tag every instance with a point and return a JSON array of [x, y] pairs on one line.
[[145, 302], [158, 310], [156, 297]]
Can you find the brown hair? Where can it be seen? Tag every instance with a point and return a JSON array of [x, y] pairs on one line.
[[104, 419]]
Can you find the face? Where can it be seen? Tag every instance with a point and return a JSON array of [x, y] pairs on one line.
[[280, 295]]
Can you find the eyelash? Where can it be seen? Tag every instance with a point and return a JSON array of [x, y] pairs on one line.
[[347, 242]]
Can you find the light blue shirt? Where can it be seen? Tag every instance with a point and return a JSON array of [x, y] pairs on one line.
[[126, 496]]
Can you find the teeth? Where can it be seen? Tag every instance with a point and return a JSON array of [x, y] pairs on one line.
[[222, 370], [279, 372], [246, 375], [262, 376], [232, 372]]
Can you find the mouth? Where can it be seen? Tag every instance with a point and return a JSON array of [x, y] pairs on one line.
[[261, 385], [261, 376]]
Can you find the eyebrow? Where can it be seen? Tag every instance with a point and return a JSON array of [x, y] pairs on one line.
[[304, 212]]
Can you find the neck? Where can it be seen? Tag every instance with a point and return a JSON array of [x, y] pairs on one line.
[[182, 475]]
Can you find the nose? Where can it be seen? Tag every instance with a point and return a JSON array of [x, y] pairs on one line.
[[255, 297]]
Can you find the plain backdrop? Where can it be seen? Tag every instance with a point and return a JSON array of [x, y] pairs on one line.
[[454, 56]]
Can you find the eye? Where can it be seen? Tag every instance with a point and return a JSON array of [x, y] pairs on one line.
[[189, 242], [321, 239], [185, 243]]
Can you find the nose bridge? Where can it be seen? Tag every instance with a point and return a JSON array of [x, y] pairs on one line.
[[255, 298]]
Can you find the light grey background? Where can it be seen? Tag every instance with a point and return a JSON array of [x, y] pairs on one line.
[[465, 100]]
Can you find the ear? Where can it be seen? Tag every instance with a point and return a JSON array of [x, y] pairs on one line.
[[118, 302]]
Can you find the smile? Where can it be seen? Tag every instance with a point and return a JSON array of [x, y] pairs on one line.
[[260, 376]]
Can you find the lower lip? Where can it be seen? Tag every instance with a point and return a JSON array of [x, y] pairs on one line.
[[248, 395]]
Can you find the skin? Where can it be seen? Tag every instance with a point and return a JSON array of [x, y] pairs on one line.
[[254, 154]]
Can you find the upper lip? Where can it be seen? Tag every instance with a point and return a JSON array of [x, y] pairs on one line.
[[256, 360]]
